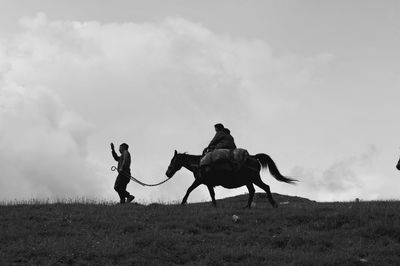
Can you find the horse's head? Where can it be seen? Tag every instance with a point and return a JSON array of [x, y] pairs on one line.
[[175, 165]]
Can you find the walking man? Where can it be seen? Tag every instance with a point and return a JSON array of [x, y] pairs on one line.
[[124, 172]]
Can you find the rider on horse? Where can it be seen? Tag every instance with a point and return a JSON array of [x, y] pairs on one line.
[[222, 149], [222, 139]]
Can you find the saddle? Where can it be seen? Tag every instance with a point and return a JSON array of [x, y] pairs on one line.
[[235, 159]]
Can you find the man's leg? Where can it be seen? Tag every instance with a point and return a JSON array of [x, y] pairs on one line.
[[120, 187], [128, 196]]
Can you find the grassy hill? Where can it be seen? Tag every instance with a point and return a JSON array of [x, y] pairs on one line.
[[299, 232]]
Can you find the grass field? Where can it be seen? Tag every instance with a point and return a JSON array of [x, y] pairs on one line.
[[299, 232]]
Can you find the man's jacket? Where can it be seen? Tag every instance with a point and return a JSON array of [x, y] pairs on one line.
[[124, 162], [222, 140]]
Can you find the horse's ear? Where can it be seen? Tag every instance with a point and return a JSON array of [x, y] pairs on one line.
[[176, 152]]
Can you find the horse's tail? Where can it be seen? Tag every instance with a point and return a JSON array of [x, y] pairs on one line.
[[267, 162]]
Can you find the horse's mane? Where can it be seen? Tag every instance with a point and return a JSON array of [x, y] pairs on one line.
[[191, 155]]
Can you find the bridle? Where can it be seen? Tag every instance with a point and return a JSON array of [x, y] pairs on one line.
[[172, 167]]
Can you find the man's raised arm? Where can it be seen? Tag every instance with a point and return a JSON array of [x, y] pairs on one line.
[[114, 154]]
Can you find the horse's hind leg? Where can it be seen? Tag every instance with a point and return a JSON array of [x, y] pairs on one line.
[[212, 194], [251, 189], [195, 184], [265, 187]]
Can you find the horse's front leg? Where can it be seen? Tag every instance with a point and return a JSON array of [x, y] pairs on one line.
[[212, 194], [195, 184]]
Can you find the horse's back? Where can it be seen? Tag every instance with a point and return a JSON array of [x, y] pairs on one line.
[[237, 157]]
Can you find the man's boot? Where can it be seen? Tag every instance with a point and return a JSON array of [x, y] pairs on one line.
[[130, 198]]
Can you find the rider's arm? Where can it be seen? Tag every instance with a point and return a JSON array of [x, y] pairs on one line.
[[217, 138]]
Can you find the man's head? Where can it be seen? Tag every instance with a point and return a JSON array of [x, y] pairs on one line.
[[218, 127], [123, 147]]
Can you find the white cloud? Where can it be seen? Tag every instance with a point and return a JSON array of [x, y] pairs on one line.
[[342, 180], [68, 88], [42, 146]]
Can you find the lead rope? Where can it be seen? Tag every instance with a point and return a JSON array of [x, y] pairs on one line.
[[113, 168]]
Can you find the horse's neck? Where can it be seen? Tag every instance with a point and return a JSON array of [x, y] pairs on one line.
[[191, 163]]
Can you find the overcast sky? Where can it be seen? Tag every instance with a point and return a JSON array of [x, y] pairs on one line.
[[314, 84]]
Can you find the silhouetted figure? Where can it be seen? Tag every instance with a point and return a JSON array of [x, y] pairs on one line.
[[222, 148], [124, 172], [222, 139], [398, 165]]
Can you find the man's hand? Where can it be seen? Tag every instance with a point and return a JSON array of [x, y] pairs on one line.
[[112, 146]]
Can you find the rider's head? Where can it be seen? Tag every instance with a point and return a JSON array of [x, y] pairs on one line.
[[218, 127], [123, 147]]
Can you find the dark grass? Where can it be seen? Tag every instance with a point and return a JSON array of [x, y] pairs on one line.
[[299, 233]]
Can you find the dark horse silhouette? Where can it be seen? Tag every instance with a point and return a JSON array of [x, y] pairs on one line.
[[248, 175]]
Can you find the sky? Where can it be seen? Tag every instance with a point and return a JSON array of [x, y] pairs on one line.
[[314, 84]]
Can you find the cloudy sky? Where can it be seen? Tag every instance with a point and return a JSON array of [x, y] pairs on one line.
[[314, 84]]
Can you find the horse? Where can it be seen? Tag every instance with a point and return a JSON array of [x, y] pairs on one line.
[[247, 175]]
